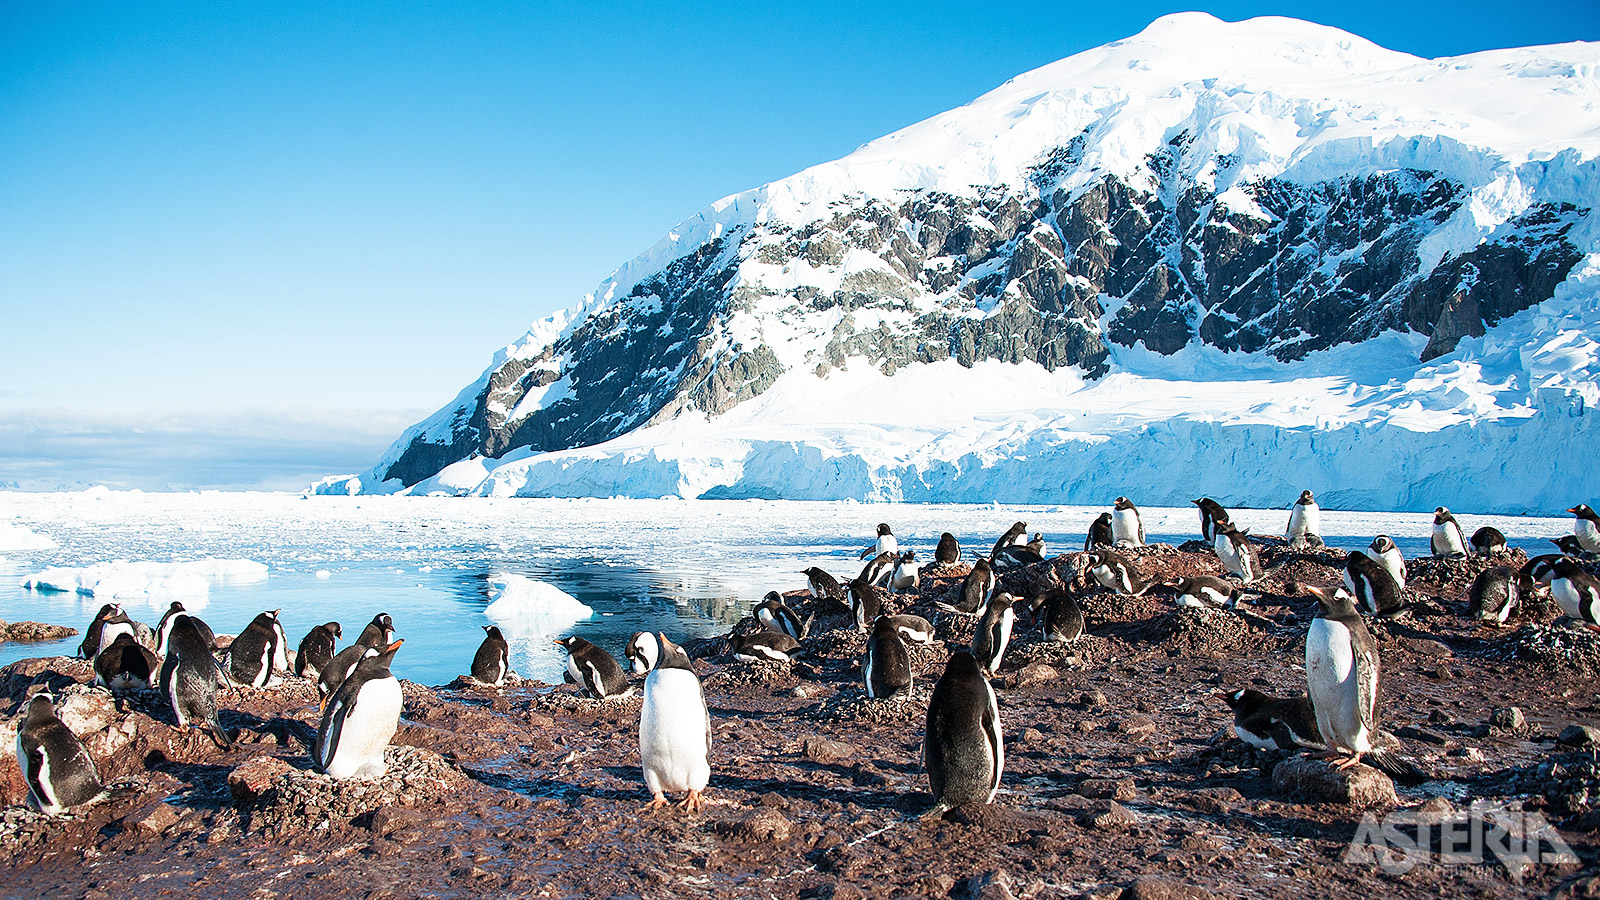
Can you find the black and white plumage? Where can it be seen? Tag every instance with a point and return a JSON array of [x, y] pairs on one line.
[[1204, 592], [912, 629], [1305, 523], [1237, 553], [374, 635], [1342, 676], [1099, 533], [1586, 528], [594, 670], [260, 652], [1127, 529], [1211, 514], [492, 661], [1569, 544], [164, 628], [886, 665], [1496, 594], [886, 543], [1371, 586], [109, 622], [764, 646], [126, 665], [1575, 590], [190, 677], [1037, 544], [775, 615], [822, 585], [1059, 613], [643, 652], [317, 649], [993, 634], [963, 751], [1384, 550], [865, 603], [1015, 556], [907, 573], [674, 730], [1448, 539], [1016, 534], [1265, 722], [948, 551], [359, 719], [1488, 541], [1111, 569], [878, 571], [976, 589], [1541, 567], [58, 770]]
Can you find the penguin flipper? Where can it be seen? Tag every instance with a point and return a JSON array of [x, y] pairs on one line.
[[1401, 770]]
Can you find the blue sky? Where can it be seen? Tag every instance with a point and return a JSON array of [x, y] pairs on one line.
[[243, 244]]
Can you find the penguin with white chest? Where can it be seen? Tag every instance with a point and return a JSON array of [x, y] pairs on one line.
[[976, 589], [1288, 724], [1305, 523], [865, 603], [907, 573], [1575, 590], [1387, 554], [1060, 614], [1238, 555], [1342, 677], [1586, 528], [109, 622], [1117, 572], [775, 615], [963, 750], [912, 629], [492, 662], [993, 634], [1204, 592], [190, 676], [594, 670], [1371, 586], [674, 730], [1488, 541], [764, 646], [1127, 529], [643, 652], [58, 770], [359, 720], [164, 629], [886, 543], [1447, 537], [1016, 534], [878, 572], [376, 635], [1211, 515], [260, 652], [886, 665], [822, 585]]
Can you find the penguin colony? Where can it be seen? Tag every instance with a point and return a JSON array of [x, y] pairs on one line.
[[963, 753]]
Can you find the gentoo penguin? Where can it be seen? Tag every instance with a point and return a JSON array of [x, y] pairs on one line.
[[865, 603], [1211, 514], [886, 666], [1037, 544], [948, 551], [822, 585], [1205, 592], [593, 669], [189, 679], [1586, 528], [975, 590], [1488, 541], [993, 634], [317, 649], [912, 629], [126, 665], [493, 660], [260, 652], [377, 634], [1117, 572], [775, 615], [1569, 544], [1342, 677], [109, 622], [962, 748], [1371, 587], [674, 730], [1274, 723], [59, 771], [886, 543], [1015, 556], [1016, 534], [907, 573], [1061, 615], [1576, 590], [1305, 523], [764, 646], [1541, 567], [643, 652], [164, 629], [1383, 550], [359, 719], [1447, 537], [1496, 593], [1099, 533], [1126, 526], [1238, 555], [879, 570]]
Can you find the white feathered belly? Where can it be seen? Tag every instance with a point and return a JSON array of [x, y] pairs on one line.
[[1305, 520], [1125, 526], [1335, 690], [1588, 535], [674, 732], [366, 731]]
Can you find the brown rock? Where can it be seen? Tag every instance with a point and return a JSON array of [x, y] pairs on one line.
[[759, 825], [1108, 789], [1137, 726], [1109, 816], [153, 819], [994, 885], [1316, 781], [1037, 673], [819, 749], [1579, 736], [251, 779], [1166, 889]]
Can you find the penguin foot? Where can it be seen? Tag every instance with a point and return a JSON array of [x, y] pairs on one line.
[[1349, 762], [658, 802], [694, 802]]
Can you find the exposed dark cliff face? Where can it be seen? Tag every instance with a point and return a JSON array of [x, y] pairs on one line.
[[1024, 277]]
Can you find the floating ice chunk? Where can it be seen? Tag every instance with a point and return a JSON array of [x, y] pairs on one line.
[[525, 606], [20, 537], [324, 574], [156, 583]]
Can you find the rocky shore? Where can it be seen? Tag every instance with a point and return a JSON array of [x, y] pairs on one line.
[[1123, 777]]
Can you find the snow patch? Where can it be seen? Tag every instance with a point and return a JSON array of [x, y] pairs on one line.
[[20, 537]]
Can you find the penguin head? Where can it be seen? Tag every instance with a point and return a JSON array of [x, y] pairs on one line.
[[176, 607], [572, 643], [383, 621], [1582, 511], [643, 652], [1335, 603], [1383, 543], [335, 630], [883, 529], [1568, 544], [1306, 499], [1124, 503], [672, 655], [1103, 519], [963, 665], [493, 632], [378, 660], [1441, 515], [1245, 700], [41, 709], [773, 597]]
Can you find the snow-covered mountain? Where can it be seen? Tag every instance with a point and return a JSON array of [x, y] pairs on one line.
[[1235, 259]]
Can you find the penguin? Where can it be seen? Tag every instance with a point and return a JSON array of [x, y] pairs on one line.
[[1576, 590], [907, 573], [189, 679], [774, 615], [492, 662], [1016, 534], [878, 572], [1488, 541], [886, 543], [963, 751], [975, 590], [912, 629], [643, 652], [1383, 550], [1586, 528], [1371, 586], [1305, 523], [1239, 556], [764, 646], [1062, 616], [126, 665], [822, 585], [164, 629], [359, 719], [949, 550], [259, 652], [1342, 677], [865, 603], [993, 634], [593, 669], [1569, 544], [674, 730], [1015, 556], [317, 649], [886, 665], [58, 770], [1211, 515], [1496, 593], [1126, 527], [1265, 722], [1099, 533], [1204, 592], [1117, 572], [1540, 568], [1447, 537], [109, 622], [1036, 546], [377, 633]]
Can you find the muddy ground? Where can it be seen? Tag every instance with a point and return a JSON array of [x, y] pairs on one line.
[[1122, 777]]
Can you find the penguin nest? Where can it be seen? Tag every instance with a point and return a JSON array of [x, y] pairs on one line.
[[1570, 785], [760, 673], [1187, 631], [854, 707], [569, 699], [1458, 571], [840, 643], [305, 801], [1076, 655], [955, 629], [1551, 648]]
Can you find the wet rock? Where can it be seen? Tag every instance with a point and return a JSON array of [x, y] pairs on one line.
[[1150, 888], [1578, 736], [34, 632], [153, 819], [1507, 721], [1316, 781], [251, 779], [822, 750], [1108, 789], [1137, 726], [1108, 816], [762, 825]]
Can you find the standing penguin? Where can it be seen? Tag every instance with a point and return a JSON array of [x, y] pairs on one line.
[[907, 573], [1586, 528], [1305, 523], [1371, 586], [948, 551], [1488, 541], [775, 615], [879, 570], [492, 662], [1383, 550], [375, 635], [976, 589], [1211, 515], [1204, 592], [1447, 537], [822, 585], [885, 543], [962, 748], [1117, 572], [126, 665], [1342, 677], [594, 670], [1576, 590], [1237, 553], [1126, 526], [109, 622], [993, 634], [865, 603], [164, 629], [1036, 546], [359, 719], [674, 730], [1016, 534], [886, 666], [259, 652], [317, 649], [1099, 533], [189, 679], [59, 771], [1496, 593]]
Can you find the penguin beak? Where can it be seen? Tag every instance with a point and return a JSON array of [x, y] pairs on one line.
[[557, 642], [394, 646], [1573, 510]]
